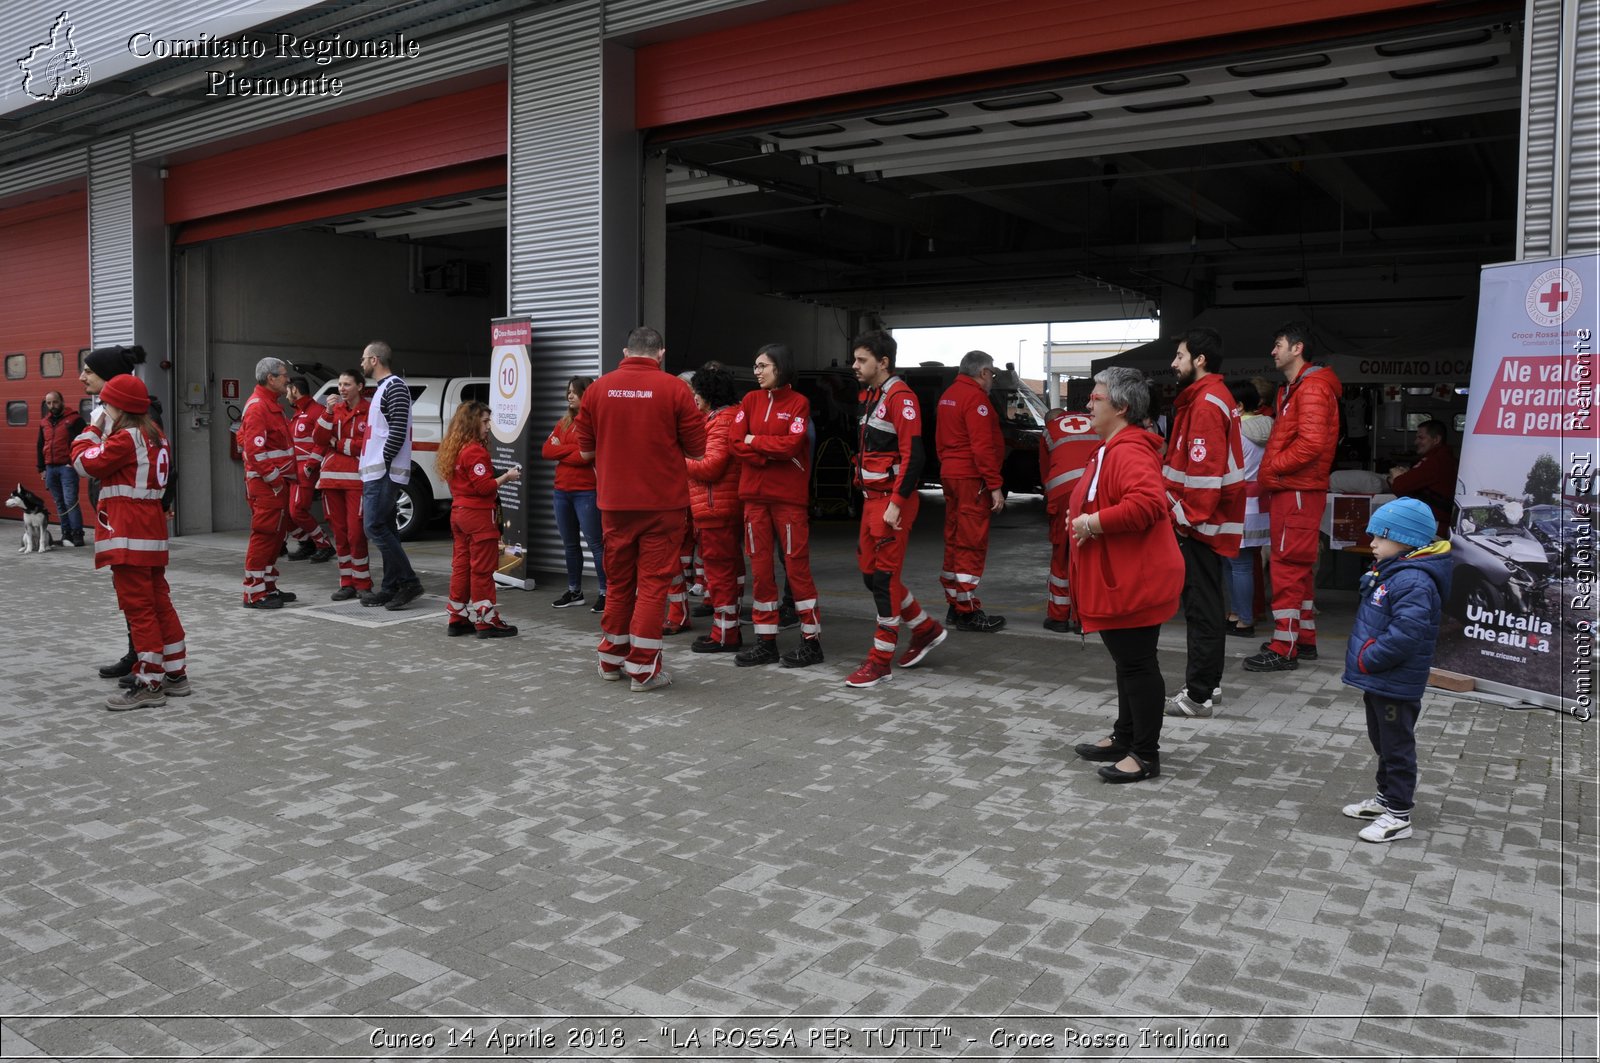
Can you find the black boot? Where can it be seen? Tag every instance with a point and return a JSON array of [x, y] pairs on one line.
[[119, 668]]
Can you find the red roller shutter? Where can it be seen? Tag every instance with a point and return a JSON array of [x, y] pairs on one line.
[[872, 45], [442, 146], [44, 273]]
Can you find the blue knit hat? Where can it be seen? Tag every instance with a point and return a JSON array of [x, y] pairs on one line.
[[1405, 521]]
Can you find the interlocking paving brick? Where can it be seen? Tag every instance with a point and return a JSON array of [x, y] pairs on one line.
[[354, 815]]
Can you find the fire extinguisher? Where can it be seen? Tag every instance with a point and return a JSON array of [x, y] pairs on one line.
[[234, 451]]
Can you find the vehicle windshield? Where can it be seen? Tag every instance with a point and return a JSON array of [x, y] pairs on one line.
[[1486, 518], [1017, 403]]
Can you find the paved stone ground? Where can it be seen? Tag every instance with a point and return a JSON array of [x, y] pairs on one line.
[[484, 835]]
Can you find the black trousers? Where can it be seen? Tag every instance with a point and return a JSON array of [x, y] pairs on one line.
[[1141, 692], [1392, 728], [1204, 614]]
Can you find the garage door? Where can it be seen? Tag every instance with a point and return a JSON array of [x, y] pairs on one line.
[[44, 320]]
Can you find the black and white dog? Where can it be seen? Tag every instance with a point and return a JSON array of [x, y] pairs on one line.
[[35, 536]]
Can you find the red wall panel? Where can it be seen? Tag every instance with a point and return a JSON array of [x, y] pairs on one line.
[[465, 127], [867, 45]]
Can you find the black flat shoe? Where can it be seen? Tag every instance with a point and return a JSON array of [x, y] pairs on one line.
[[1090, 751], [1148, 769]]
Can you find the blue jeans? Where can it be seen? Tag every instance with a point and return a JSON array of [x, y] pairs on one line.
[[1242, 584], [575, 509], [377, 520], [62, 482]]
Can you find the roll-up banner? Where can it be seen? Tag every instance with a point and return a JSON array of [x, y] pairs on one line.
[[1521, 614], [510, 404]]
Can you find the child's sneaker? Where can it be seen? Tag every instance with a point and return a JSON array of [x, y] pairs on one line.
[[1386, 828], [1370, 808]]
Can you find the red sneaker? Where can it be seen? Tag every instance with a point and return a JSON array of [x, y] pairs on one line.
[[869, 674], [923, 639]]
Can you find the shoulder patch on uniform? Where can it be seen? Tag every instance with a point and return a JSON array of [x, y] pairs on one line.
[[478, 469], [261, 441], [909, 412], [1197, 450], [797, 426], [983, 411]]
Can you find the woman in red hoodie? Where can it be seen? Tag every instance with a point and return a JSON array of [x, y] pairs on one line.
[[1125, 570]]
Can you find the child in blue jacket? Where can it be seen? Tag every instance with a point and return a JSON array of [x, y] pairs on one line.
[[1391, 652]]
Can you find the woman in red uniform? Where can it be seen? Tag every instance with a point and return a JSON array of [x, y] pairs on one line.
[[129, 457], [342, 432], [463, 460], [574, 500], [718, 516]]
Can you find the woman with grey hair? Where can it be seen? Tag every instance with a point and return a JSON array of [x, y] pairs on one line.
[[1125, 570]]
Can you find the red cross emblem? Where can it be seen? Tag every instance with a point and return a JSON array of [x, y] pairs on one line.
[[1553, 297]]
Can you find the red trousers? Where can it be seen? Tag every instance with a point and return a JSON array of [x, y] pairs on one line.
[[269, 522], [1058, 594], [966, 542], [881, 553], [303, 527], [724, 568], [473, 556], [678, 591], [641, 555], [790, 525], [153, 624], [343, 507], [1296, 522]]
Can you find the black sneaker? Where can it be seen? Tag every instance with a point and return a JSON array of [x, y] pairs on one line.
[[764, 651], [570, 598], [404, 595], [283, 596], [707, 644], [267, 602], [497, 631], [1302, 651], [978, 620], [324, 553], [1267, 661], [788, 617], [344, 594], [457, 628], [702, 609], [301, 552], [809, 653], [120, 667], [372, 599], [599, 605], [1238, 631], [950, 616]]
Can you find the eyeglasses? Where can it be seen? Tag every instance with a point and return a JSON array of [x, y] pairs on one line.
[[1099, 398]]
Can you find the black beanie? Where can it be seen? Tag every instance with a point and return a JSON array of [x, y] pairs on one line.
[[110, 362]]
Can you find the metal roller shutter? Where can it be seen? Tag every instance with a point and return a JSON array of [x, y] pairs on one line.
[[1583, 169], [1560, 179]]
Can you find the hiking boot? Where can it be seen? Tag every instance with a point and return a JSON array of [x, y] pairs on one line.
[[870, 674], [978, 620], [1369, 808], [324, 553], [809, 653], [372, 599], [661, 679], [567, 600], [788, 616], [120, 667], [1267, 661], [1184, 705], [764, 651], [344, 594], [176, 686], [497, 630], [265, 602], [923, 640], [1302, 651], [404, 595], [457, 628], [709, 644], [138, 698], [1388, 827]]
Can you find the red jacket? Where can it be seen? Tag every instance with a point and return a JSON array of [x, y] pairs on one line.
[[302, 433], [341, 432], [573, 473], [968, 434], [1204, 465], [56, 436], [776, 465], [472, 481], [640, 423], [714, 479], [1431, 480], [1300, 453], [1064, 449], [264, 440], [130, 526], [1131, 574], [889, 449]]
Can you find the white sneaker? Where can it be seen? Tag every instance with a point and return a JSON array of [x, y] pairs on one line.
[[1370, 808], [1386, 828], [1183, 705], [612, 677], [661, 679]]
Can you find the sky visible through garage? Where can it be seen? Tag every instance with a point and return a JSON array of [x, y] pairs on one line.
[[1021, 344]]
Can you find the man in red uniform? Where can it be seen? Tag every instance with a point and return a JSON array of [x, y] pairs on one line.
[[1294, 472], [342, 433], [268, 475], [971, 451], [1204, 473], [639, 423], [310, 541], [888, 469], [1065, 448], [1432, 480]]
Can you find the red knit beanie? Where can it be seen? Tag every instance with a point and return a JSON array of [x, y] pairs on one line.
[[127, 393]]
